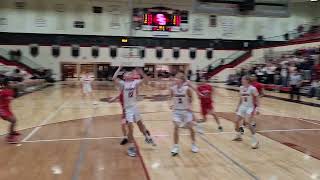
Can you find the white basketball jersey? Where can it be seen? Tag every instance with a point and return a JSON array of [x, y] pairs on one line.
[[180, 97], [248, 95], [130, 92], [86, 80]]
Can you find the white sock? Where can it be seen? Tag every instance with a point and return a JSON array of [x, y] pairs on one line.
[[254, 137], [131, 145]]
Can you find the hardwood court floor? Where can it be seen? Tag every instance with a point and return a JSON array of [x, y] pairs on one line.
[[66, 137]]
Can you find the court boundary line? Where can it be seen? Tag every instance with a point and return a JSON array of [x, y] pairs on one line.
[[306, 120], [144, 167], [44, 121], [162, 135], [83, 148], [226, 156]]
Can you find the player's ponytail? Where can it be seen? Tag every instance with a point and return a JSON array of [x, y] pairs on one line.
[[246, 77]]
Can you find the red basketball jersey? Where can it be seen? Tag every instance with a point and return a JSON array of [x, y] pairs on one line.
[[206, 91], [258, 86], [6, 95]]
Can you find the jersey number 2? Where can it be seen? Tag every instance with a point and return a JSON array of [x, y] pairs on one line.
[[180, 101], [130, 94]]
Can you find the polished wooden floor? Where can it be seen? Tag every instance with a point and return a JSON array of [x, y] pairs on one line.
[[65, 137]]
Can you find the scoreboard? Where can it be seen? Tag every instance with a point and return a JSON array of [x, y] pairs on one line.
[[159, 19]]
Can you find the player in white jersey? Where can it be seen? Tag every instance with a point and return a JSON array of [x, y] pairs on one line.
[[86, 81], [182, 114], [247, 108], [132, 115]]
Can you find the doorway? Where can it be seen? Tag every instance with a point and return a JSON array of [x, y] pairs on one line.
[[69, 72]]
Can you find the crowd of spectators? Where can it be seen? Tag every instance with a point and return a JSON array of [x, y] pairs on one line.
[[299, 69], [22, 81]]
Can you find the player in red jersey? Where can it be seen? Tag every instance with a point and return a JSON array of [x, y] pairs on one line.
[[257, 85], [205, 92], [123, 119], [6, 95]]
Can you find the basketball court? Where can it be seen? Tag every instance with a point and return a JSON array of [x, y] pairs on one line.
[[63, 62], [69, 138]]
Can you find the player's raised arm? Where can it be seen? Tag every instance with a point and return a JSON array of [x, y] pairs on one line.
[[146, 78], [115, 76]]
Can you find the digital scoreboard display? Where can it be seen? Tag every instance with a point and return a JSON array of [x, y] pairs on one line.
[[159, 19]]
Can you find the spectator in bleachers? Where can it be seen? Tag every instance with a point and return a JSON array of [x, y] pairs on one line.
[[292, 67], [307, 66], [259, 73], [277, 75], [233, 79], [284, 73], [270, 70], [295, 82]]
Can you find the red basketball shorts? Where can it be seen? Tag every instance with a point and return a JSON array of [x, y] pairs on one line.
[[5, 113], [206, 108]]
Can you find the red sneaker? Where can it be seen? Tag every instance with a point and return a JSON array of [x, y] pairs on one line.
[[15, 133], [12, 139]]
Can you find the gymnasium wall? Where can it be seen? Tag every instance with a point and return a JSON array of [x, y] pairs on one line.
[[47, 60], [58, 16]]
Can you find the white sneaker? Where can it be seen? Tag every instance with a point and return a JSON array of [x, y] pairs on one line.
[[95, 103], [255, 143], [194, 148], [175, 150], [132, 152], [237, 137]]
